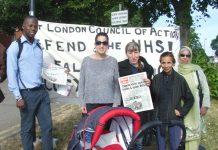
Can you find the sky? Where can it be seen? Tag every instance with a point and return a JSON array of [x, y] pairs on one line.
[[207, 32]]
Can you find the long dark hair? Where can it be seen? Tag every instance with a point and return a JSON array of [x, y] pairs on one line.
[[101, 34]]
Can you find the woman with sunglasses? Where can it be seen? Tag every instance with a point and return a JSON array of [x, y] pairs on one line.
[[169, 91], [98, 84], [193, 120]]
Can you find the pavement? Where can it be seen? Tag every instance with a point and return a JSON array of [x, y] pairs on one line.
[[10, 116]]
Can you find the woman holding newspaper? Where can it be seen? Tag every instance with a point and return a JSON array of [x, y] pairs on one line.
[[197, 82], [170, 90], [132, 65], [98, 84]]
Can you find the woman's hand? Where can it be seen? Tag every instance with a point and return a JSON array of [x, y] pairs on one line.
[[203, 111], [147, 82], [177, 112], [67, 71], [83, 109]]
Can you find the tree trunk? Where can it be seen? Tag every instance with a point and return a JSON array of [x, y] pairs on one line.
[[184, 35], [183, 18]]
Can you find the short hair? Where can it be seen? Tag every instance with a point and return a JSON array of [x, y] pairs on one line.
[[168, 54], [102, 34], [29, 17], [132, 46]]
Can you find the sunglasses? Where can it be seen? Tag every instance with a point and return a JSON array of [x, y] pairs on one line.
[[105, 43], [183, 55]]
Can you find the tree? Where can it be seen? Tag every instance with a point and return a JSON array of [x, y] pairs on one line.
[[13, 12], [178, 10], [200, 58], [141, 12], [10, 14], [91, 12], [214, 45]]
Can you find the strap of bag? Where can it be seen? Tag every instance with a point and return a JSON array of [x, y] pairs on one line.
[[20, 48], [199, 82], [199, 87]]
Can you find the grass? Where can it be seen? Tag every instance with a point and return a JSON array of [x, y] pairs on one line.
[[63, 128], [210, 139]]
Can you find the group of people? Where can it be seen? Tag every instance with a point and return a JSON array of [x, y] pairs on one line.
[[174, 94]]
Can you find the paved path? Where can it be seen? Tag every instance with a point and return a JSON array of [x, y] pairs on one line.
[[10, 116]]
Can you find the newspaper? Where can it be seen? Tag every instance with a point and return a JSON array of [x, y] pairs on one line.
[[54, 73], [64, 90], [135, 94]]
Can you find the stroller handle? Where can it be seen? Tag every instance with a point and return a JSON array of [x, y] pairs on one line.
[[157, 123]]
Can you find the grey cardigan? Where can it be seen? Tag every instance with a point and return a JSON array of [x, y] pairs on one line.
[[98, 82]]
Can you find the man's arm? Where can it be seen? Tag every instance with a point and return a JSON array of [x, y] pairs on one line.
[[12, 70]]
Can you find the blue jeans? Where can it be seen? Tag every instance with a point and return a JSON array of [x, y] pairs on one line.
[[37, 105], [174, 137]]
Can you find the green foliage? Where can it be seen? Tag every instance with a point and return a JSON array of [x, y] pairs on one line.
[[214, 45], [180, 11], [90, 12], [136, 20], [194, 39], [94, 12], [216, 53], [210, 140], [200, 58], [210, 70], [12, 14]]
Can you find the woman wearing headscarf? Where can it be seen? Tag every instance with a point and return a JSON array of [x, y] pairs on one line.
[[193, 74]]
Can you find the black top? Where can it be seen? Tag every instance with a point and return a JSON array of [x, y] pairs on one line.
[[168, 92], [125, 68]]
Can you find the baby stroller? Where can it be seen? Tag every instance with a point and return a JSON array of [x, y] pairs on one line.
[[152, 126], [105, 127]]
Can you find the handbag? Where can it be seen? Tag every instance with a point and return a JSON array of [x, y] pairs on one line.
[[2, 97], [201, 95]]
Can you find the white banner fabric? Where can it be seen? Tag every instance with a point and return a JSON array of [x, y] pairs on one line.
[[68, 44]]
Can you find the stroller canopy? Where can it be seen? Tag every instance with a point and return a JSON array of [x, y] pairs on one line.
[[121, 120]]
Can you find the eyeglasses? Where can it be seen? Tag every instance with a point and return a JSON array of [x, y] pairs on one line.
[[183, 55], [105, 43]]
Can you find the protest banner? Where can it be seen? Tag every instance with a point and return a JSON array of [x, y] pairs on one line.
[[135, 94], [68, 44]]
